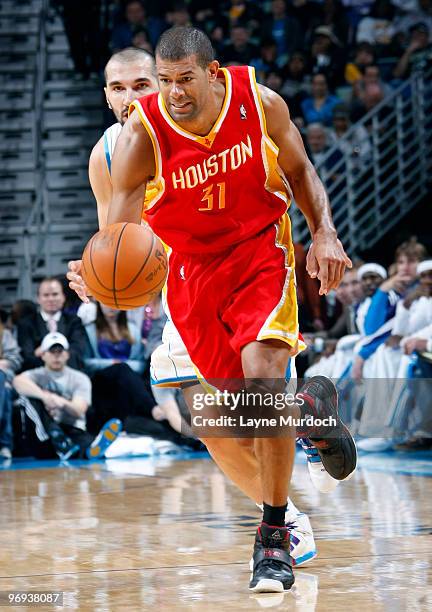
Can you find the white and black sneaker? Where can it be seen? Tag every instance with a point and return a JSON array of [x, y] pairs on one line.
[[272, 563]]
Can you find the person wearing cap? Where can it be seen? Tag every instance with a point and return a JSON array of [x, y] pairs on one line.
[[59, 399], [417, 55]]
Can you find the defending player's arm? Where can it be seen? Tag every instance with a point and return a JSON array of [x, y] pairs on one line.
[[101, 186], [133, 164], [326, 258], [100, 182]]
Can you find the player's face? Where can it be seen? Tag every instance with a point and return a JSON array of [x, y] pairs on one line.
[[185, 86], [51, 297], [127, 82]]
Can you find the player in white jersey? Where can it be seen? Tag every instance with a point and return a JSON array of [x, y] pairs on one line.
[[129, 75]]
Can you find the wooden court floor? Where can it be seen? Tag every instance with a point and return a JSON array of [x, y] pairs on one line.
[[173, 534]]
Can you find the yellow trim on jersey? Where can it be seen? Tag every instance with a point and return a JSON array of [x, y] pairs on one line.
[[282, 322], [206, 141], [155, 188], [276, 182]]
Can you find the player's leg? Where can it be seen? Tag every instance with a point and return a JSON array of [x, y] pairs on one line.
[[264, 365]]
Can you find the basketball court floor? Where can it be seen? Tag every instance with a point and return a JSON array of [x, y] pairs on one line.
[[172, 534]]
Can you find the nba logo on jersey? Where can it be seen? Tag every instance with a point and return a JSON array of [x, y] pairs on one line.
[[243, 112], [182, 274]]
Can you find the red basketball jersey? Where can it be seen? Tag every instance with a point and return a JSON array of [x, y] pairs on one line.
[[215, 190]]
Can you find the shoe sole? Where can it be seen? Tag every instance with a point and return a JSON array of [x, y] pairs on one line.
[[267, 585], [112, 431], [352, 454]]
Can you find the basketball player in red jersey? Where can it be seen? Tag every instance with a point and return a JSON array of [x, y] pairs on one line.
[[225, 169]]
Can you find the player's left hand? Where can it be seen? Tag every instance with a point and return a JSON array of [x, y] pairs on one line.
[[327, 260], [76, 281]]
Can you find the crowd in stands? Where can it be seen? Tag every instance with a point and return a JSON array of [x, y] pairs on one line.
[[73, 376], [331, 60]]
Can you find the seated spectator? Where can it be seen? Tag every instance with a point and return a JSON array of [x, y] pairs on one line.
[[55, 401], [418, 54], [421, 13], [377, 28], [50, 318], [318, 108], [349, 294], [135, 19], [10, 362], [112, 339], [330, 165], [21, 309], [295, 87], [327, 56], [397, 415], [267, 62], [283, 29], [364, 55], [240, 50], [331, 14], [245, 13], [141, 40], [356, 144], [368, 92], [178, 15]]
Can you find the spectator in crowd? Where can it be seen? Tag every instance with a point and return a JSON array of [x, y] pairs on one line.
[[295, 88], [381, 308], [422, 13], [244, 13], [240, 50], [357, 144], [10, 362], [377, 28], [318, 107], [268, 61], [404, 408], [330, 165], [363, 55], [349, 294], [81, 23], [112, 339], [356, 10], [368, 92], [327, 56], [136, 19], [50, 318], [331, 14], [55, 399], [178, 15], [283, 29], [21, 309], [417, 55], [141, 40]]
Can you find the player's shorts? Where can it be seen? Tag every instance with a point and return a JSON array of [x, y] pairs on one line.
[[222, 301], [170, 364]]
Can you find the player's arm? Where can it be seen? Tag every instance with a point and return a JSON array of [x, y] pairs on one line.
[[133, 164], [100, 181], [326, 258]]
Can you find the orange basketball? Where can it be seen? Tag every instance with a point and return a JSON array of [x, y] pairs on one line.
[[124, 265]]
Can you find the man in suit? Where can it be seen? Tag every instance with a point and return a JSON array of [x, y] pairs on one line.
[[50, 318]]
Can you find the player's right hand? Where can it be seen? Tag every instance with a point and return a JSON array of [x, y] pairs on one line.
[[76, 281]]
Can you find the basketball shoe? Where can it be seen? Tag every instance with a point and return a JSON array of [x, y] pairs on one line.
[[319, 476], [271, 562], [334, 443], [302, 544]]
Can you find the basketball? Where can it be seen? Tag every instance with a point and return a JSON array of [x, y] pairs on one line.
[[124, 265]]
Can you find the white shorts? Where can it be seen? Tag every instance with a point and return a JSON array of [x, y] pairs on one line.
[[170, 364]]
